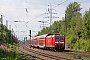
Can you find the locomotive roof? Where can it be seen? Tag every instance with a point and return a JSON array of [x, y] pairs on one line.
[[45, 35], [42, 36]]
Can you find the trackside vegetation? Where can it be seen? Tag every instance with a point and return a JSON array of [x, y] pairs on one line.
[[11, 55], [8, 45], [75, 26]]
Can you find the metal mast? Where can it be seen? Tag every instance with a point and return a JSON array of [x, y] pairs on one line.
[[50, 11]]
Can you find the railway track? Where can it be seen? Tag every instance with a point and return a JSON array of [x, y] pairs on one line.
[[29, 55], [44, 56], [50, 55], [80, 53]]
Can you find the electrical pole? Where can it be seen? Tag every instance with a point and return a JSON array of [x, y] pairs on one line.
[[2, 28], [30, 34], [50, 11], [12, 36], [7, 24], [7, 31], [10, 27], [24, 40], [1, 19], [65, 24]]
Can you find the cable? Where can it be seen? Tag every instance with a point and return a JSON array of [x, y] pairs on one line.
[[61, 3], [40, 14], [32, 19], [43, 13]]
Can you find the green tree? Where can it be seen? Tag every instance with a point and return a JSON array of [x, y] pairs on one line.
[[6, 36], [56, 27], [86, 28], [72, 12]]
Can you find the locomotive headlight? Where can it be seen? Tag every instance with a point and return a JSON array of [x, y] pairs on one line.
[[56, 42], [63, 44]]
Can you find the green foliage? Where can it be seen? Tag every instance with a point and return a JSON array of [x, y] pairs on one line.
[[73, 42], [88, 46], [73, 23], [57, 27], [6, 36], [83, 45], [11, 55], [86, 22], [1, 52], [71, 17]]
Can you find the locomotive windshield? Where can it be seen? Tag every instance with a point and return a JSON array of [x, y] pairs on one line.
[[59, 38]]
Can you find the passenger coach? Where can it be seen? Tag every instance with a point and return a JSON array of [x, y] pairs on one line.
[[49, 41]]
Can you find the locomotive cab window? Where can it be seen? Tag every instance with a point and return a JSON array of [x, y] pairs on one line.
[[59, 37]]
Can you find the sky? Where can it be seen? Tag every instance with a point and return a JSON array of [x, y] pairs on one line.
[[29, 12]]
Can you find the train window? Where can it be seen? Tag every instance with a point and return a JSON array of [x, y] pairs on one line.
[[59, 37]]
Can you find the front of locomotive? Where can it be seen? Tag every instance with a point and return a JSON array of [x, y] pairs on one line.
[[59, 42]]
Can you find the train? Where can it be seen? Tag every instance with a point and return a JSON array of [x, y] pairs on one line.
[[49, 41]]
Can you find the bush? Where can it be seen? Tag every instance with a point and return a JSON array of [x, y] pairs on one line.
[[1, 52], [83, 45], [72, 41], [11, 55], [88, 46]]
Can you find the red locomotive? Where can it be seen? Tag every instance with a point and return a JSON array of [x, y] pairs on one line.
[[49, 41]]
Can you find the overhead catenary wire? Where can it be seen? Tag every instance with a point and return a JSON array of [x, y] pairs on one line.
[[40, 14], [61, 3], [32, 19], [40, 4]]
